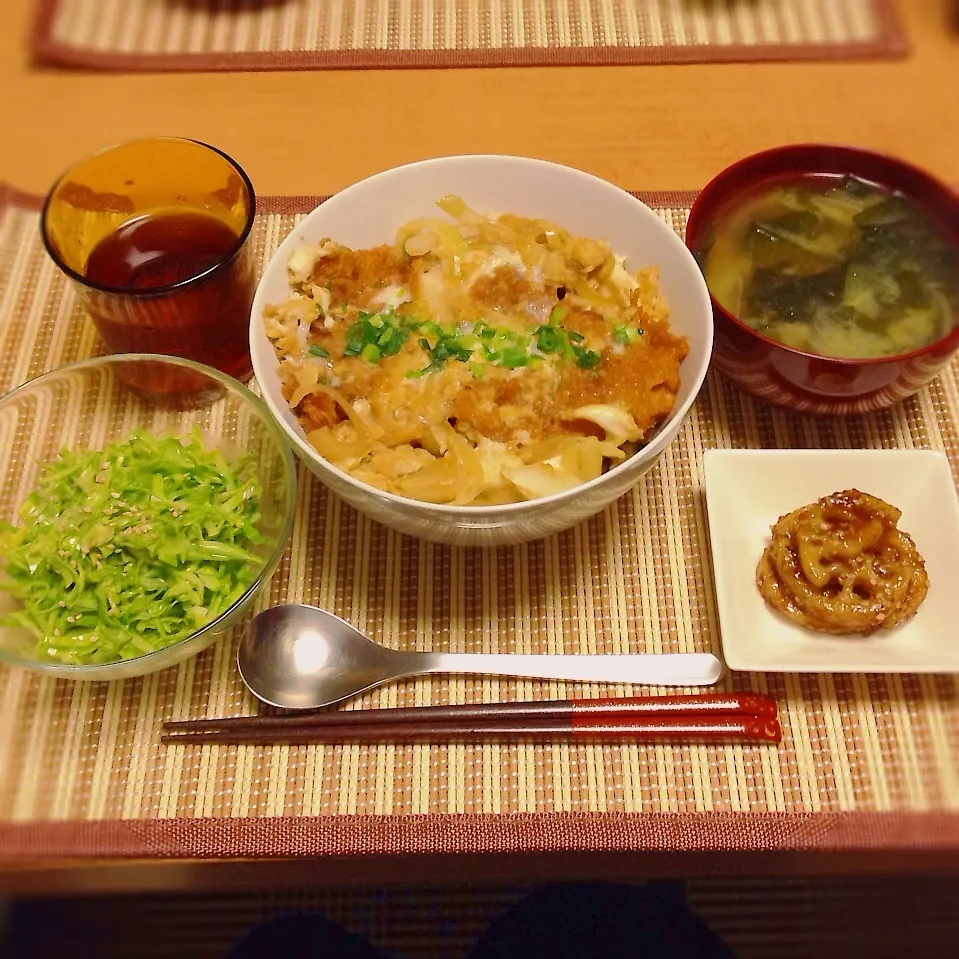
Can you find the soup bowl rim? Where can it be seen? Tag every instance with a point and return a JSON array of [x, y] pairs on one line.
[[716, 193]]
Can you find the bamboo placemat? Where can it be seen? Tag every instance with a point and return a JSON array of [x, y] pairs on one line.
[[314, 34], [866, 760]]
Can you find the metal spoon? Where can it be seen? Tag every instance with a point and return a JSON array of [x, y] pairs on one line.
[[301, 657]]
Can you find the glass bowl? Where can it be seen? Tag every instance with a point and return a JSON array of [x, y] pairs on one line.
[[89, 404]]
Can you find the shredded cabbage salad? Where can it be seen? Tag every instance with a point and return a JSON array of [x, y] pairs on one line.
[[126, 550]]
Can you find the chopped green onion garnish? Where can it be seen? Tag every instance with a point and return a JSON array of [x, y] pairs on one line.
[[549, 339], [625, 335], [514, 357], [587, 359], [377, 335]]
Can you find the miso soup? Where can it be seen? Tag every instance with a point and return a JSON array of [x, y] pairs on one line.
[[834, 266]]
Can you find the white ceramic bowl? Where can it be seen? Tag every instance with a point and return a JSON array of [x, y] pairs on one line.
[[369, 213]]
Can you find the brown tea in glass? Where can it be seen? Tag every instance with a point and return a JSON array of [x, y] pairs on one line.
[[155, 235]]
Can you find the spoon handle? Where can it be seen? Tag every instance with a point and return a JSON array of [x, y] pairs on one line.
[[651, 669]]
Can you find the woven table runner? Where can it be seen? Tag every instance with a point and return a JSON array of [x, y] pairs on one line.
[[867, 760], [314, 34]]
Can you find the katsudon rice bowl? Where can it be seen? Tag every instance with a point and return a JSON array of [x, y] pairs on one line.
[[481, 350]]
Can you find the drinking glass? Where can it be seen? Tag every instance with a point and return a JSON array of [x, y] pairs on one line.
[[191, 300]]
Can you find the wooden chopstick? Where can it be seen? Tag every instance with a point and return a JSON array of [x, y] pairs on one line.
[[699, 704], [709, 704], [747, 717], [588, 728]]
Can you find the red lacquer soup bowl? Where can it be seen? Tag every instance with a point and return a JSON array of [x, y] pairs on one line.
[[802, 381]]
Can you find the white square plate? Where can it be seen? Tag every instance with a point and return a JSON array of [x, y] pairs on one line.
[[748, 490]]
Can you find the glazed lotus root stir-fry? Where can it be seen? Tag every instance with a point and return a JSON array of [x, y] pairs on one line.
[[841, 565], [476, 360]]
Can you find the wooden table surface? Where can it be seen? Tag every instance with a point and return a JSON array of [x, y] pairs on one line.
[[645, 128]]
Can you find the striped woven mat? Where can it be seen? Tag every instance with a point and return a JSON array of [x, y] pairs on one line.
[[314, 34], [866, 760]]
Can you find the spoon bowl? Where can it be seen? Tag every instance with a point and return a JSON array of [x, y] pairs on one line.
[[301, 657]]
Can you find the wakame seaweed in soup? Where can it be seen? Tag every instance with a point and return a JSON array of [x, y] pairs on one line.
[[838, 267]]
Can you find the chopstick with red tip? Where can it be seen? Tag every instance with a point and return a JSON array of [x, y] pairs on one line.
[[586, 729], [708, 704], [746, 717]]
